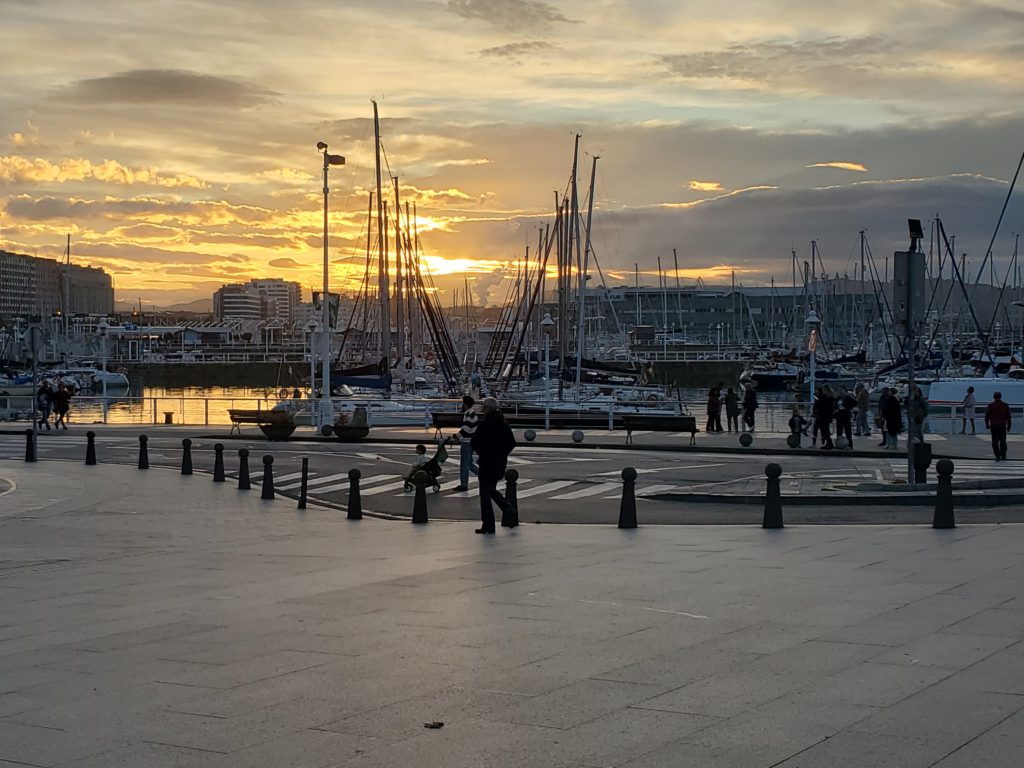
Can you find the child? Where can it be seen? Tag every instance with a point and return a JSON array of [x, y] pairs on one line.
[[797, 425], [421, 458]]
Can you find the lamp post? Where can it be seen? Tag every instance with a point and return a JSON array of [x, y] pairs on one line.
[[719, 343], [326, 406], [313, 328], [546, 325], [102, 328], [813, 323]]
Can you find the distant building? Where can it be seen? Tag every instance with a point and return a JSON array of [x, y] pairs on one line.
[[239, 302], [33, 286], [267, 299]]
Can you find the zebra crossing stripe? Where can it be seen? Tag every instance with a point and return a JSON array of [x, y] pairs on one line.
[[363, 482], [536, 491], [283, 478], [382, 488], [592, 490], [314, 481]]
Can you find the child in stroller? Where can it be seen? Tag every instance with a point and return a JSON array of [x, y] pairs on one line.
[[431, 466]]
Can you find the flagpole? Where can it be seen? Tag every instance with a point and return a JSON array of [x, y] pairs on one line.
[[326, 414]]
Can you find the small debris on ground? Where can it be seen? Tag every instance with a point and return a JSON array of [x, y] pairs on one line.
[[435, 724]]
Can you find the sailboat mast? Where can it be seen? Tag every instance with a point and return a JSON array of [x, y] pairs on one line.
[[581, 340], [399, 302], [636, 282], [382, 259], [679, 290]]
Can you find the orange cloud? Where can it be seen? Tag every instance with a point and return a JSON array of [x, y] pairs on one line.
[[705, 186], [844, 166], [20, 170]]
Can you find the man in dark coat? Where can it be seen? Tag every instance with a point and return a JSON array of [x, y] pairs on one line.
[[493, 442], [998, 421], [749, 407]]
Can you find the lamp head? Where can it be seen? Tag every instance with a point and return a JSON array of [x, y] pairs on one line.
[[812, 319], [321, 146]]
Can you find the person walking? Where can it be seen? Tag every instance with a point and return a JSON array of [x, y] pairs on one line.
[[863, 410], [714, 411], [845, 405], [968, 405], [919, 408], [61, 405], [493, 442], [892, 416], [826, 415], [749, 407], [465, 437], [44, 401], [732, 409], [998, 421], [883, 398]]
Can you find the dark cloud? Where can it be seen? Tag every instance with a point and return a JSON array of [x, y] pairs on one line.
[[515, 50], [773, 59], [173, 86], [509, 15]]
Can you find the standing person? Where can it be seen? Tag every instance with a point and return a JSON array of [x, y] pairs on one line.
[[44, 401], [920, 412], [61, 405], [863, 411], [892, 416], [714, 411], [883, 398], [797, 425], [998, 422], [749, 407], [493, 442], [826, 414], [732, 409], [465, 436], [968, 405], [846, 404]]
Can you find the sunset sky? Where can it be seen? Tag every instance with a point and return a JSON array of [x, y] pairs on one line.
[[175, 141]]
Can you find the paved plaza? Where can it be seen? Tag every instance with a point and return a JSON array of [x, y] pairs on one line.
[[150, 619]]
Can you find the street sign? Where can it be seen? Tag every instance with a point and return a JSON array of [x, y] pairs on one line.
[[908, 291]]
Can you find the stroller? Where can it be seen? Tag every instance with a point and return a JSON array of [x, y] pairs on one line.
[[432, 467]]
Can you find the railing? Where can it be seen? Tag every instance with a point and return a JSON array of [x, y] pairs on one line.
[[772, 416]]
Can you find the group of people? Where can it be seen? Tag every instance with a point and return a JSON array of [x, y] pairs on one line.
[[719, 396], [55, 402], [487, 438]]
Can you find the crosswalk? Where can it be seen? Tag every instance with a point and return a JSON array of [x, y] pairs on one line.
[[971, 470], [324, 486]]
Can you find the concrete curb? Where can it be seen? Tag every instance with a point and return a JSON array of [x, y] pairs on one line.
[[864, 500]]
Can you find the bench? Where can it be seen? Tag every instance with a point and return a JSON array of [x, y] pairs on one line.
[[445, 420], [241, 416], [659, 424]]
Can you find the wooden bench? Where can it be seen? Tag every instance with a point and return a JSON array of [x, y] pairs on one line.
[[240, 416], [445, 420], [659, 424]]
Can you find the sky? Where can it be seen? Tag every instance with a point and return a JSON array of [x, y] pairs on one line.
[[175, 140]]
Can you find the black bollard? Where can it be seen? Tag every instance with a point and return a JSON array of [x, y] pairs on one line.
[[304, 486], [90, 449], [511, 478], [922, 456], [944, 515], [143, 452], [218, 463], [420, 479], [186, 457], [627, 508], [772, 498], [30, 445], [243, 469], [355, 501], [268, 478]]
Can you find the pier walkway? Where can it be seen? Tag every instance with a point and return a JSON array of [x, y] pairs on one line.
[[150, 619]]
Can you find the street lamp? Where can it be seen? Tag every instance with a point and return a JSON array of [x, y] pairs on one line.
[[719, 327], [546, 325], [102, 329], [313, 328], [326, 406], [813, 323]]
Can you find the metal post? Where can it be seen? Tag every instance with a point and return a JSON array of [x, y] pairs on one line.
[[143, 452], [304, 486], [186, 457], [218, 463], [355, 505], [268, 478], [30, 445], [772, 498], [243, 470], [944, 514], [419, 504], [90, 449], [627, 507], [512, 497], [547, 380]]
